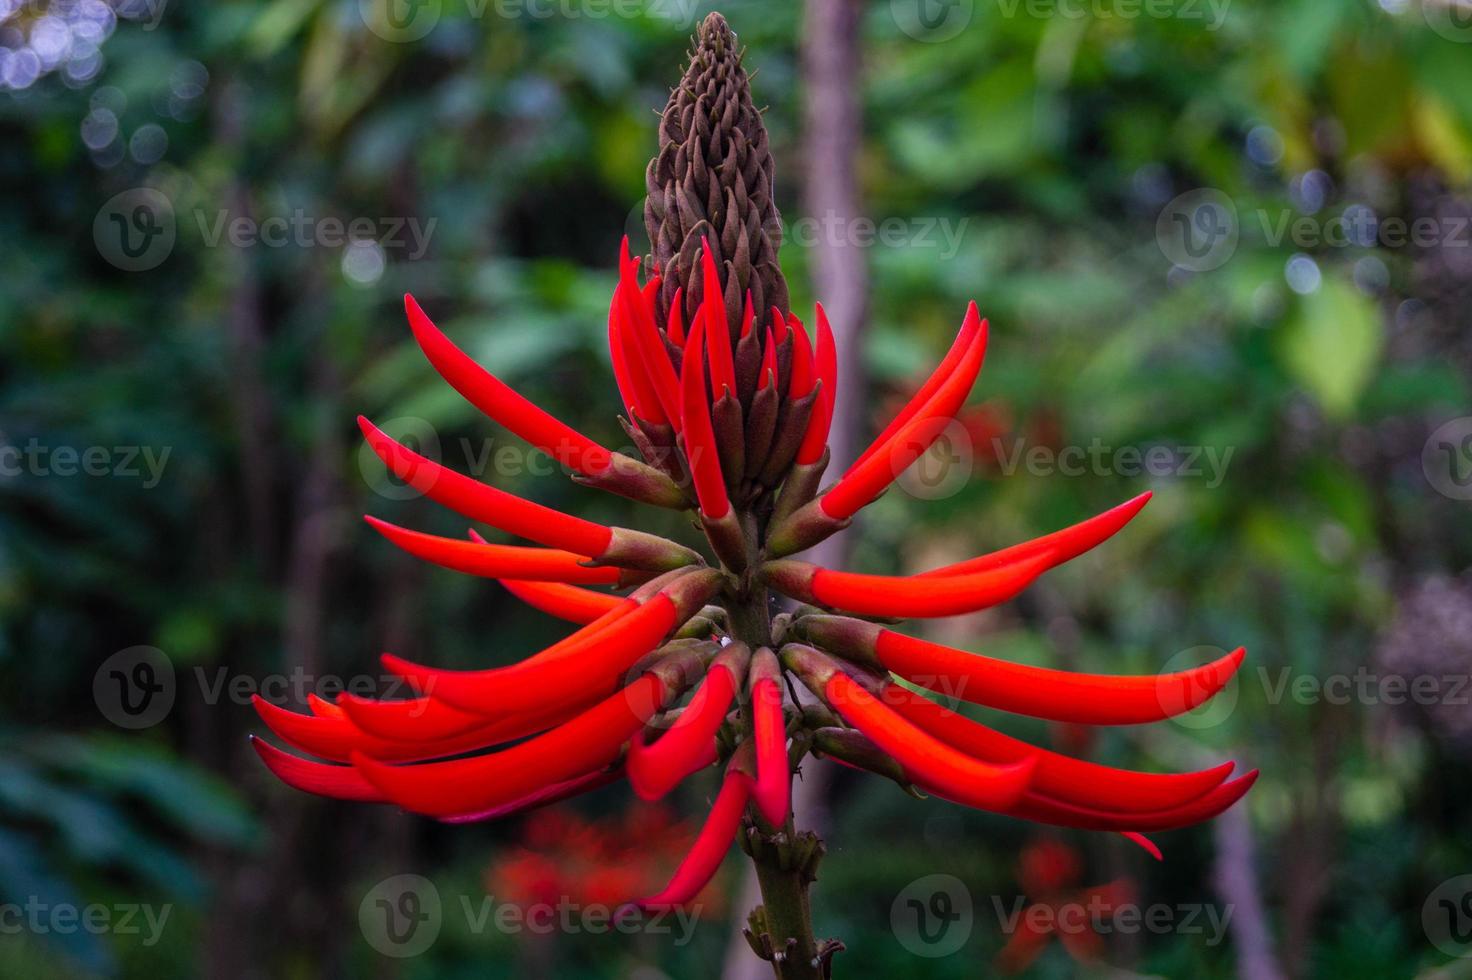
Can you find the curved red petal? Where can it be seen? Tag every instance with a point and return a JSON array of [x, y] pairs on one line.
[[689, 745], [1057, 695], [589, 741], [1064, 545], [1077, 780], [772, 793], [590, 669], [564, 601], [699, 433], [480, 502], [497, 400], [710, 847], [336, 782], [956, 775], [944, 370], [497, 560]]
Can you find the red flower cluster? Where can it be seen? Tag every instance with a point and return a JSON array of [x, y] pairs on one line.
[[563, 856], [731, 413]]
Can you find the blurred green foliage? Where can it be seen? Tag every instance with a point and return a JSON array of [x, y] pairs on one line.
[[1049, 142]]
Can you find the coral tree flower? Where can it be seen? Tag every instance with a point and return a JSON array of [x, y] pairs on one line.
[[728, 397]]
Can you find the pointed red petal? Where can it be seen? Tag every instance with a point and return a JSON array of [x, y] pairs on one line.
[[717, 333], [592, 670], [336, 782], [497, 560], [893, 596], [1077, 780], [496, 399], [922, 396], [699, 433], [480, 502], [689, 744], [710, 847], [1035, 806], [1057, 695], [772, 793], [588, 742], [956, 775], [826, 365], [563, 601], [1066, 544], [867, 479], [638, 321]]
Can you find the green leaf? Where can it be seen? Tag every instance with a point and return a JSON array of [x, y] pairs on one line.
[[1332, 343]]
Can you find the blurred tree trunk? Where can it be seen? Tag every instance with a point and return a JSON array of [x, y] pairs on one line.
[[832, 128]]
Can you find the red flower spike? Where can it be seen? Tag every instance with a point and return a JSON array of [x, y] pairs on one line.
[[710, 847], [585, 744], [1057, 695], [335, 782], [496, 399], [772, 793], [956, 775], [1065, 545], [563, 601], [480, 502], [688, 745], [717, 334], [825, 363], [699, 433], [738, 427], [891, 596], [867, 480], [503, 561], [922, 396]]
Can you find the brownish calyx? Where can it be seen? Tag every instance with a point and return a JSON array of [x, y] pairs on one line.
[[712, 179]]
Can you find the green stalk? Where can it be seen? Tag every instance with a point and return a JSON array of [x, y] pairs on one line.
[[780, 930]]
